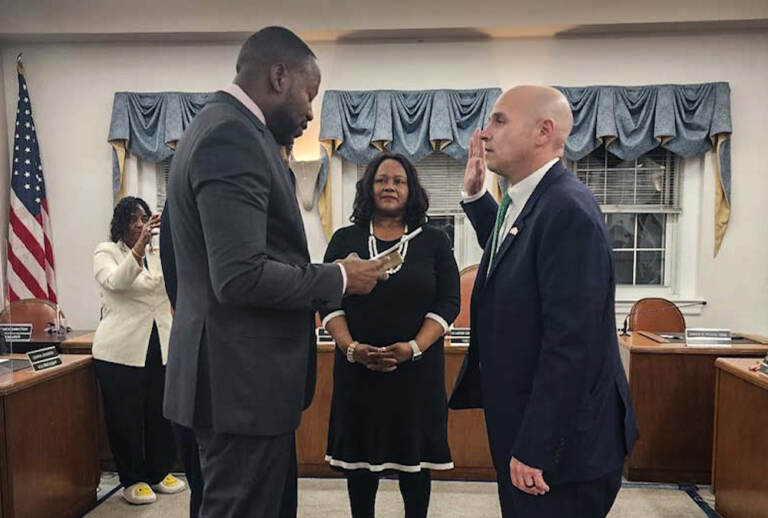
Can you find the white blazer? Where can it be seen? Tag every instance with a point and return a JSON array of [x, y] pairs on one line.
[[132, 297]]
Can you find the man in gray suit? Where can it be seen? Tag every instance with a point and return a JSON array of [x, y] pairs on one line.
[[242, 355]]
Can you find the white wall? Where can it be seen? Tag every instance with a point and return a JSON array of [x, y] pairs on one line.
[[72, 86], [5, 175]]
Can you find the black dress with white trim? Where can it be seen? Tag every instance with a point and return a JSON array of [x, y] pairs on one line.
[[398, 420]]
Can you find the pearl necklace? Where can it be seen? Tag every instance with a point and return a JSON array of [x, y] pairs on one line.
[[373, 250]]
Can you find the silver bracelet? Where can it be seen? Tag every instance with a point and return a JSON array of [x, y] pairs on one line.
[[351, 351]]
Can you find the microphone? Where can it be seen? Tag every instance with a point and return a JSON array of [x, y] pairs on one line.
[[624, 330], [624, 327]]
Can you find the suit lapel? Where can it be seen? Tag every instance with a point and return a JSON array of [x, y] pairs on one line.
[[518, 227], [482, 273], [295, 203], [289, 184], [284, 172], [508, 240]]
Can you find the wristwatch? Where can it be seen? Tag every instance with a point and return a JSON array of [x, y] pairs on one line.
[[416, 350]]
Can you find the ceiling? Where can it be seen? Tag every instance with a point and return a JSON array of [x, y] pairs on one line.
[[368, 20]]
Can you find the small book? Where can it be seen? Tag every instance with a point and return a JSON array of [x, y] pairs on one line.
[[393, 260]]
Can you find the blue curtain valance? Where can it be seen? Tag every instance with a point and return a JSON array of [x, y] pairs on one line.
[[688, 120], [685, 119], [148, 125], [359, 124]]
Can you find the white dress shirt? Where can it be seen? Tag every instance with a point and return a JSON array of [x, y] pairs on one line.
[[239, 94], [518, 194]]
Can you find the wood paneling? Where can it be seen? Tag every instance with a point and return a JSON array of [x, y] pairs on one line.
[[77, 343], [673, 391], [741, 434], [81, 343], [466, 428], [312, 435], [467, 436], [48, 441], [4, 469]]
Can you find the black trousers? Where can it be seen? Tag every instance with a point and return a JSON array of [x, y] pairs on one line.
[[591, 499], [415, 489], [190, 456], [140, 437], [247, 476], [289, 505]]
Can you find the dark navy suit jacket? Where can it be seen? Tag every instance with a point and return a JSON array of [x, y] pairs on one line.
[[543, 360]]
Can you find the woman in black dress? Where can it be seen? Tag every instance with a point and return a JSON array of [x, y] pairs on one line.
[[389, 409]]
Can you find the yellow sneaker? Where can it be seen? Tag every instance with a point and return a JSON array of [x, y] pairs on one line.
[[170, 485], [139, 493]]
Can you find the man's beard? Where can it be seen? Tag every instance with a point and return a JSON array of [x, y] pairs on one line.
[[282, 126]]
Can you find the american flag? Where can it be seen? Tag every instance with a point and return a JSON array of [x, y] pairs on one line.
[[30, 252]]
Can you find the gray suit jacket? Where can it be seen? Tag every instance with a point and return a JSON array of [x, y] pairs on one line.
[[242, 352]]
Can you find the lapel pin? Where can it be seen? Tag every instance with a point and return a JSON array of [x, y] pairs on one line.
[[513, 231]]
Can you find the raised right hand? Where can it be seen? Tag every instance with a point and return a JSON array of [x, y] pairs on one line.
[[362, 274], [146, 233], [474, 174]]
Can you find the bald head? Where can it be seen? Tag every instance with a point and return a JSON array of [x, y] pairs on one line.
[[269, 46], [537, 104], [529, 126]]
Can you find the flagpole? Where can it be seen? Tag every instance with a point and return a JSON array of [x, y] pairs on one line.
[[6, 287], [28, 197]]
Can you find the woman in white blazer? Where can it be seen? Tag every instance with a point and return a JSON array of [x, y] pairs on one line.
[[130, 350]]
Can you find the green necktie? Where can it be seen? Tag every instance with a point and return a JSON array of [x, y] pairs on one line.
[[505, 201]]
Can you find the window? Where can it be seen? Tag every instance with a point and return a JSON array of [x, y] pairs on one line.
[[641, 203], [163, 168], [446, 223], [443, 179]]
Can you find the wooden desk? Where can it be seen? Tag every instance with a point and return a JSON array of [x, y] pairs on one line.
[[741, 434], [673, 390], [82, 344], [77, 344], [48, 463], [466, 428], [41, 339]]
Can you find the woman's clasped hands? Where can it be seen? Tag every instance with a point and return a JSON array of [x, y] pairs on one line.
[[383, 359]]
